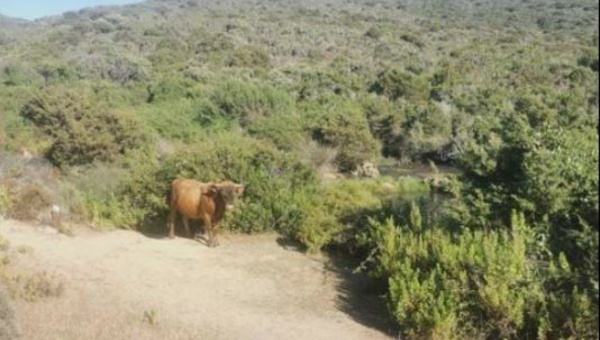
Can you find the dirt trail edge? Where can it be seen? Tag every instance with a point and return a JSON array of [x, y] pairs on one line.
[[124, 285]]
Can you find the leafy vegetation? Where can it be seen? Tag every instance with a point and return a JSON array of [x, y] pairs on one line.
[[283, 97], [81, 132]]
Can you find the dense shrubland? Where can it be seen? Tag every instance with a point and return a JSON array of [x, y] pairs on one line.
[[280, 96]]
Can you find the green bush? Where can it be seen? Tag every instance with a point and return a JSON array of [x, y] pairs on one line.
[[175, 120], [374, 33], [110, 212], [81, 130], [55, 73], [15, 74], [319, 228], [542, 159], [445, 286], [286, 131], [249, 56], [342, 124], [396, 84], [542, 169], [385, 123], [311, 83], [413, 39], [590, 59], [411, 132], [169, 89], [568, 311], [341, 210], [212, 48], [91, 192], [245, 103], [121, 69], [170, 54], [427, 133]]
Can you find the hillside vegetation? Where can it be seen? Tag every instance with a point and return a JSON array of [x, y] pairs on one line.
[[115, 102]]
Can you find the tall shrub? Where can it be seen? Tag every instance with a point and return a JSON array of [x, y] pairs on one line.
[[82, 131]]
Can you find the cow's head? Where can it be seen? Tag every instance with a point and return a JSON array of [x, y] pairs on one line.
[[226, 191]]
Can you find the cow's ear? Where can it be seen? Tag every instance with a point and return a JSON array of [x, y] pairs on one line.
[[210, 189], [239, 189]]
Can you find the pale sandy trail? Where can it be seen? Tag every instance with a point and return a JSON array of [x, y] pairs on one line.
[[248, 288]]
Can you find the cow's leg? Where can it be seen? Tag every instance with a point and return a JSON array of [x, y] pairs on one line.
[[171, 223], [215, 235], [208, 227], [204, 231], [186, 224]]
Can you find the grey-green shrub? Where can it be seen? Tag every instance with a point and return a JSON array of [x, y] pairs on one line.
[[81, 130], [396, 84], [342, 124], [247, 102]]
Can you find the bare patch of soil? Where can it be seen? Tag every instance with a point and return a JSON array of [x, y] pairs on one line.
[[124, 285]]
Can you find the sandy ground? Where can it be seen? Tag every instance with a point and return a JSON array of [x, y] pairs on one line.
[[251, 287]]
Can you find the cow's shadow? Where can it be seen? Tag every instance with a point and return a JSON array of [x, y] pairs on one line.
[[358, 296], [201, 238], [157, 229], [290, 244]]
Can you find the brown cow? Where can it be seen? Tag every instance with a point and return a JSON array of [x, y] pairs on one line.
[[204, 201]]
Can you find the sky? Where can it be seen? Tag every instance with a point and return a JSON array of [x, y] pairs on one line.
[[33, 9]]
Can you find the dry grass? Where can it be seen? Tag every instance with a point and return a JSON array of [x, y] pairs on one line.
[[5, 201], [28, 187], [150, 317], [24, 249], [8, 325], [36, 286], [21, 283], [319, 156], [28, 201], [4, 244], [66, 229]]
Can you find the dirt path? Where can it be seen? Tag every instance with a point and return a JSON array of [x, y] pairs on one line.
[[249, 288]]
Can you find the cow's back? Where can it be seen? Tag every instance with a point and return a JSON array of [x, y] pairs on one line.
[[185, 197]]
